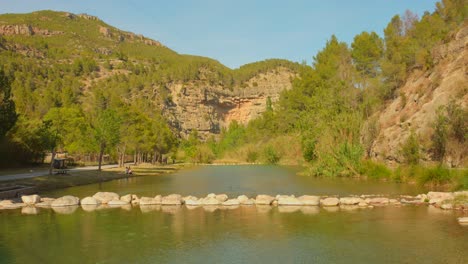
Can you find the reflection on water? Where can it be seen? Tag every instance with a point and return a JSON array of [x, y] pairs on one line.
[[217, 234], [234, 234], [237, 180]]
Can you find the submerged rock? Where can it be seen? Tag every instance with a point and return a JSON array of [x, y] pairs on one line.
[[67, 200], [463, 220], [65, 209], [30, 210], [31, 199]]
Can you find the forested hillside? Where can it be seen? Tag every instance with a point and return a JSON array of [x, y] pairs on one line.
[[76, 82], [392, 106]]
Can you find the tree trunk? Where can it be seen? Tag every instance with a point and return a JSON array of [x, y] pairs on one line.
[[101, 154], [51, 167]]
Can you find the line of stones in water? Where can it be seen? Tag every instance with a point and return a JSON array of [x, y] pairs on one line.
[[68, 203]]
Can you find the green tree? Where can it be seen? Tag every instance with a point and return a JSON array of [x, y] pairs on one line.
[[8, 114], [367, 50], [106, 127]]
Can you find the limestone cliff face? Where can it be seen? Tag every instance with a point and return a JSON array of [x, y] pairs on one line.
[[198, 105], [419, 98]]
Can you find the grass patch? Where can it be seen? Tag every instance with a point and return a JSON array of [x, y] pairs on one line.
[[375, 170]]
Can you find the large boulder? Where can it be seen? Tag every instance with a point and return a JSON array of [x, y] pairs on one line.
[[67, 200], [231, 202], [135, 199], [439, 197], [210, 200], [330, 201], [126, 198], [90, 201], [172, 199], [192, 201], [288, 200], [350, 200], [106, 197], [222, 197], [242, 198], [31, 199], [150, 200], [263, 199], [309, 200]]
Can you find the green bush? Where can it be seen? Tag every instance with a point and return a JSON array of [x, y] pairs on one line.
[[271, 155], [252, 156], [375, 170], [410, 149], [437, 175]]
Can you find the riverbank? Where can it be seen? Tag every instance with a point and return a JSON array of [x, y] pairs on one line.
[[76, 178]]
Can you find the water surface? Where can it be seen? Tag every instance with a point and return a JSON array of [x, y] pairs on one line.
[[246, 234]]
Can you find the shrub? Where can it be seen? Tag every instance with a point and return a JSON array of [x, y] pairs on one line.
[[271, 155], [375, 170], [437, 175], [252, 156], [439, 138], [410, 149]]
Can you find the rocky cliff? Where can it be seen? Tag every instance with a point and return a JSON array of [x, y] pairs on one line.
[[198, 105], [418, 100]]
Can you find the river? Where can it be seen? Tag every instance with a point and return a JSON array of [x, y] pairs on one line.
[[246, 234]]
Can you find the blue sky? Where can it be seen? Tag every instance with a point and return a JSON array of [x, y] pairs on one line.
[[241, 31]]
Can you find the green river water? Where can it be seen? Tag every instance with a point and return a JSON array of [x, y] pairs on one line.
[[245, 234]]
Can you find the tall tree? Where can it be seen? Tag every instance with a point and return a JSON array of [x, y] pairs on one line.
[[367, 50], [8, 114], [107, 132]]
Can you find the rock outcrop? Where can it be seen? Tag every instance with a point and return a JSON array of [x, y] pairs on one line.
[[417, 103], [198, 105]]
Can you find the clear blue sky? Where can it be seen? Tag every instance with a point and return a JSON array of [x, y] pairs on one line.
[[239, 31]]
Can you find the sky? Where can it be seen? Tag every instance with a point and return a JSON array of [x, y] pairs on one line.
[[237, 32]]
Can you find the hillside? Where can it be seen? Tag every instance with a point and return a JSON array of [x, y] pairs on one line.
[[416, 106], [58, 59]]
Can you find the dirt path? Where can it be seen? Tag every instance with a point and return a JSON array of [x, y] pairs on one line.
[[42, 172]]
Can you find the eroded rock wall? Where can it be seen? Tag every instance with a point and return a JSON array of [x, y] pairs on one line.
[[198, 105]]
